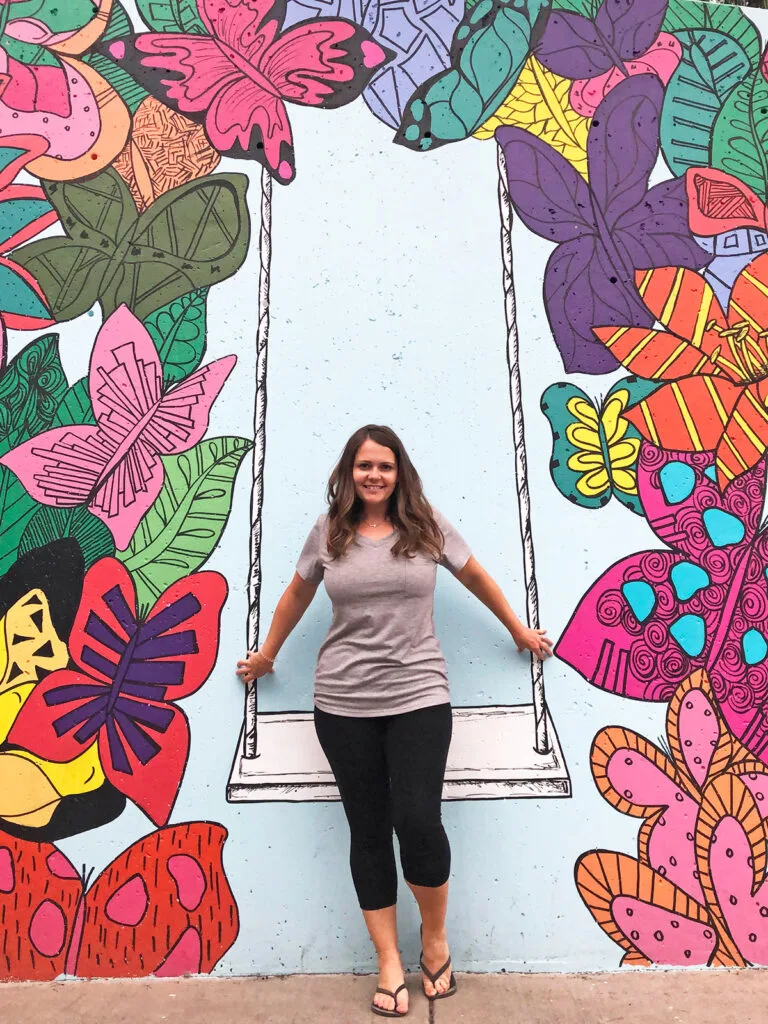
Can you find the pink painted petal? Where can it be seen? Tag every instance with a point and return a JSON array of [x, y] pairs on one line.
[[661, 60], [182, 416], [59, 467], [126, 490], [125, 375]]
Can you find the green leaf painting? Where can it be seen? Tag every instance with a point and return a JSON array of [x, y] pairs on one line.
[[31, 389], [740, 136], [594, 449], [725, 18], [191, 237], [178, 331], [184, 524], [16, 510], [49, 524], [119, 24], [171, 15], [489, 49], [75, 406], [711, 68], [130, 92]]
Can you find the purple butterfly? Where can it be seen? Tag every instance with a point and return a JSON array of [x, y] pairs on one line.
[[607, 229], [655, 617]]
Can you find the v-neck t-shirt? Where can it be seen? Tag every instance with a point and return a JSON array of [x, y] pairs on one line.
[[381, 655]]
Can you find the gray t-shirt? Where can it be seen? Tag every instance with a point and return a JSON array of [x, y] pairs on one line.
[[381, 655]]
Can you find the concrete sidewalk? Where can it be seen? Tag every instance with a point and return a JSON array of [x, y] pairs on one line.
[[694, 997]]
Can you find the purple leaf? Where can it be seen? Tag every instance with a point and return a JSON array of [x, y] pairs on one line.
[[551, 198], [623, 145], [656, 233], [631, 26], [572, 47], [583, 287]]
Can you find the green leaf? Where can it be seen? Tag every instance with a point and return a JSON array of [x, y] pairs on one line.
[[587, 8], [730, 20], [713, 65], [119, 24], [75, 406], [740, 137], [594, 452], [489, 49], [30, 391], [171, 15], [178, 331], [184, 524], [193, 236], [49, 524], [16, 510], [130, 92]]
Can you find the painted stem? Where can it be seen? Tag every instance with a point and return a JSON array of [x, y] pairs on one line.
[[259, 451], [543, 745]]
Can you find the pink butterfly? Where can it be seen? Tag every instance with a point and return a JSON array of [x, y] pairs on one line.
[[237, 80], [656, 616], [115, 467]]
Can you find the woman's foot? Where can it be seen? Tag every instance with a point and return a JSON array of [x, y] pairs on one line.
[[435, 953], [391, 977]]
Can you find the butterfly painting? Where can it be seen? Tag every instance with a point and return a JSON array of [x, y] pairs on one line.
[[655, 617], [115, 467], [163, 907], [604, 229], [684, 899], [594, 449], [129, 670], [237, 78]]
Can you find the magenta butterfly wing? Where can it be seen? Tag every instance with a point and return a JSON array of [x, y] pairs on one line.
[[237, 80], [655, 617]]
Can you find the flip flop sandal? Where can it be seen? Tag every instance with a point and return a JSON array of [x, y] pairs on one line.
[[450, 991], [392, 995]]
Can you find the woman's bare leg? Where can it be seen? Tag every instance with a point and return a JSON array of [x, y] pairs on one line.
[[433, 905], [382, 927]]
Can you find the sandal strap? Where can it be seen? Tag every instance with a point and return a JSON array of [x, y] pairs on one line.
[[438, 974], [392, 995]]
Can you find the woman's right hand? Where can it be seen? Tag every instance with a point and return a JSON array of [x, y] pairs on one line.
[[254, 666]]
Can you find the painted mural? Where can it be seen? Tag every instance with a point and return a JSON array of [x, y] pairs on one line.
[[633, 136]]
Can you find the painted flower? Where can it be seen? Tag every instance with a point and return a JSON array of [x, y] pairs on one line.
[[662, 60], [605, 456], [115, 467], [697, 892], [129, 671], [714, 365], [24, 213], [46, 91]]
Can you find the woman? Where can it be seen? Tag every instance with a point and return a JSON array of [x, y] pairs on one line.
[[382, 710]]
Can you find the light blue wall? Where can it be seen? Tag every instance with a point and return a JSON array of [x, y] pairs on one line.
[[387, 306]]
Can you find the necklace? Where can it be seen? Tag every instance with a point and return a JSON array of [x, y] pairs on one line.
[[375, 526]]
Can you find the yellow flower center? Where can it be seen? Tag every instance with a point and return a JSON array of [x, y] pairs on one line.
[[750, 357]]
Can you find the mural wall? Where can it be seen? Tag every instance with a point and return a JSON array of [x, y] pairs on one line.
[[156, 286]]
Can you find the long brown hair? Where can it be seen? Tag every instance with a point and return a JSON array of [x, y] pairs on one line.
[[408, 509]]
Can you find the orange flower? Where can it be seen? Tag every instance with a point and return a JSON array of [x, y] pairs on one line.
[[716, 366]]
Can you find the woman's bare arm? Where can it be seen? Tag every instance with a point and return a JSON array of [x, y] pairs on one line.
[[295, 600], [486, 589]]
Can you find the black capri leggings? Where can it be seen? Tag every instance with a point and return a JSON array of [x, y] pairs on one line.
[[390, 773]]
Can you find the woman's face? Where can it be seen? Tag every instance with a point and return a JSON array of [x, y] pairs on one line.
[[374, 474]]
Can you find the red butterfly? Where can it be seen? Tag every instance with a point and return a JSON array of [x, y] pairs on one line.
[[237, 80], [163, 907]]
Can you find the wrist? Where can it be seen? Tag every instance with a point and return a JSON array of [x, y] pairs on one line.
[[263, 654]]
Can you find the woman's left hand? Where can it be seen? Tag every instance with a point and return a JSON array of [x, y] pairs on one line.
[[536, 641]]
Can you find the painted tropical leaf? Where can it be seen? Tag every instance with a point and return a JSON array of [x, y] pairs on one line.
[[118, 24], [171, 15], [178, 331], [192, 236], [740, 136], [728, 19], [31, 388], [587, 8], [16, 510], [540, 104], [75, 406], [49, 524], [594, 448], [183, 526], [130, 92], [489, 50], [712, 66]]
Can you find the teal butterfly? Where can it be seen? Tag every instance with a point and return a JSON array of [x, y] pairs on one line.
[[595, 450]]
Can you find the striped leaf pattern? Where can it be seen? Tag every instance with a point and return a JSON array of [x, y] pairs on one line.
[[183, 526]]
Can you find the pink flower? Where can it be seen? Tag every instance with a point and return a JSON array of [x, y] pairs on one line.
[[661, 60]]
